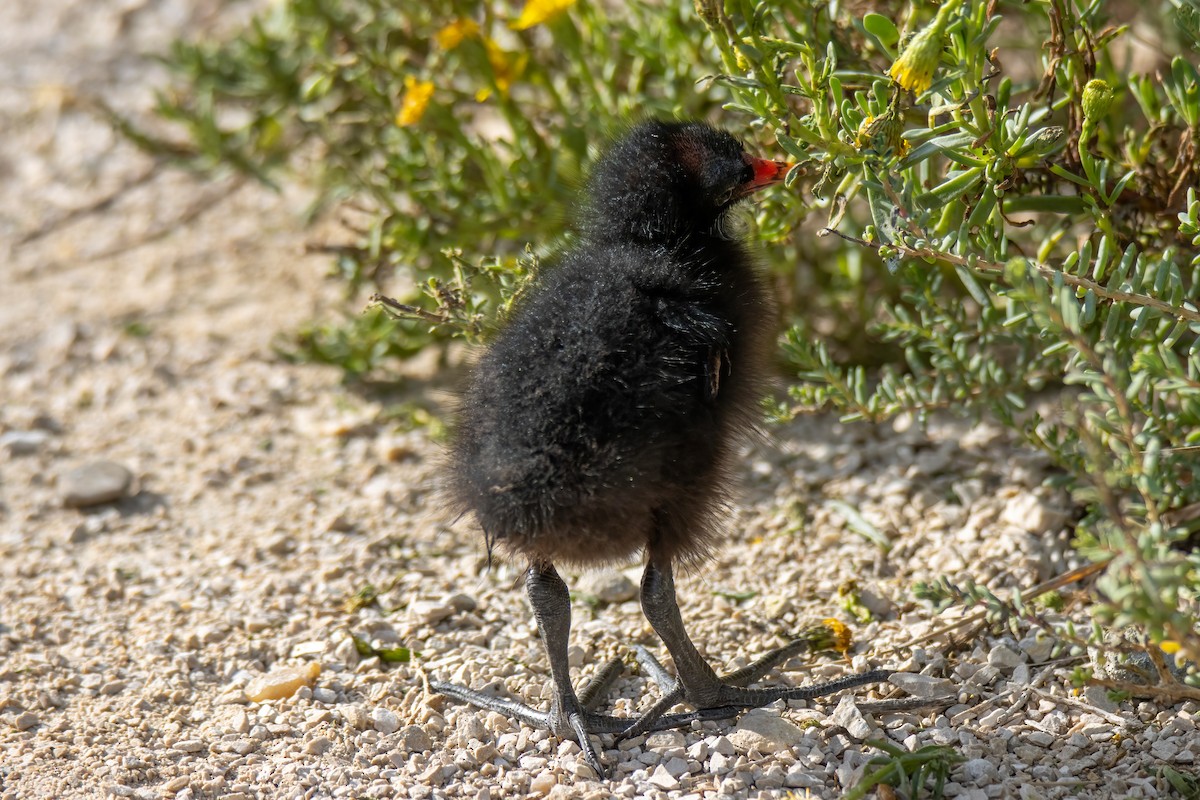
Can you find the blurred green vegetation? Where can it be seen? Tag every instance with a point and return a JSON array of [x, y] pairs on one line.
[[994, 198]]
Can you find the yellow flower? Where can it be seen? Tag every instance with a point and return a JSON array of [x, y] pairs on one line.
[[840, 633], [1169, 646], [829, 635], [414, 102], [453, 34], [914, 69], [882, 136], [538, 11], [505, 68]]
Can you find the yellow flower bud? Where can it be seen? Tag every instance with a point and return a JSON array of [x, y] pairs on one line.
[[453, 34], [536, 12], [914, 69], [1097, 100]]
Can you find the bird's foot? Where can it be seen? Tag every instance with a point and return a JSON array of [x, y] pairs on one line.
[[727, 696], [570, 717]]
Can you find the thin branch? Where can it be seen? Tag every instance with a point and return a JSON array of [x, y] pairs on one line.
[[1115, 719], [1053, 584], [400, 310], [95, 207], [205, 203], [1047, 272]]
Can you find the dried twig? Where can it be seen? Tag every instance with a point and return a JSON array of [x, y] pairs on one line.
[[1053, 584], [206, 202], [95, 207], [1074, 702]]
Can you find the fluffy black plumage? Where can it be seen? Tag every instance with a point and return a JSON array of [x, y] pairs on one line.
[[604, 418], [605, 415]]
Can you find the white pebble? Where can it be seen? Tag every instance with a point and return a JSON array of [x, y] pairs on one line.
[[385, 721]]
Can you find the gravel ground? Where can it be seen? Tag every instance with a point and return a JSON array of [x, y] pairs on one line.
[[184, 516]]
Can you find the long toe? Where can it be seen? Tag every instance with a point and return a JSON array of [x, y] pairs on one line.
[[731, 697], [576, 723]]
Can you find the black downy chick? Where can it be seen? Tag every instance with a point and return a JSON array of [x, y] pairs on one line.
[[605, 417]]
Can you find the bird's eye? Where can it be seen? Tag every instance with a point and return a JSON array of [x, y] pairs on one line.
[[748, 174]]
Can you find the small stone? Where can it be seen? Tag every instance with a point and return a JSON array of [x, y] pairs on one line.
[[663, 780], [385, 721], [80, 533], [994, 718], [318, 745], [323, 695], [543, 782], [25, 721], [415, 739], [720, 764], [189, 746], [607, 587], [357, 716], [665, 740], [342, 523], [245, 746], [347, 652], [771, 778], [113, 687], [281, 682], [723, 746], [532, 763], [239, 722], [429, 612], [849, 717], [1098, 697], [393, 448], [95, 483], [979, 771], [1004, 658], [1164, 749], [314, 647], [800, 776], [922, 685], [24, 443], [470, 726], [880, 606], [677, 767], [765, 733], [1039, 738], [774, 606], [968, 491], [1030, 513], [175, 784], [1037, 648], [461, 602]]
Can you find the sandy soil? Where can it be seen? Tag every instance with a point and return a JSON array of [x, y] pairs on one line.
[[266, 495]]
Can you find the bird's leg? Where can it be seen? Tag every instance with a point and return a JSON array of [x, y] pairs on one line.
[[714, 696], [570, 715]]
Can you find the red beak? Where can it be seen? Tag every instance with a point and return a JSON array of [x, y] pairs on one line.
[[766, 173]]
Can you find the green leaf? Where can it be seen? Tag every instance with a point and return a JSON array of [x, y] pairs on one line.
[[857, 523], [942, 144], [882, 29], [972, 285], [957, 185]]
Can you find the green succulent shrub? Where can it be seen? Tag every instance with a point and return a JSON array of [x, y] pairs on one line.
[[992, 198]]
